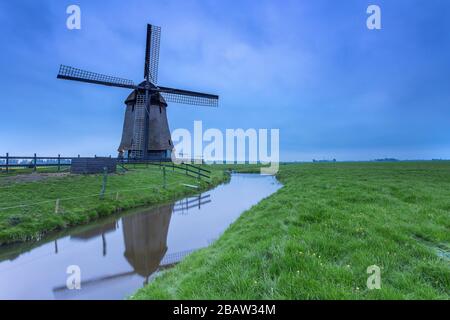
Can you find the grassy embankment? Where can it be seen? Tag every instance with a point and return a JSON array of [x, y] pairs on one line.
[[79, 200], [315, 238]]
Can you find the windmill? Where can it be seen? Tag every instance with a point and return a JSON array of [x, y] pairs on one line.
[[146, 133]]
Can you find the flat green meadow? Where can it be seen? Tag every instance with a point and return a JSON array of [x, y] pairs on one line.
[[316, 237]]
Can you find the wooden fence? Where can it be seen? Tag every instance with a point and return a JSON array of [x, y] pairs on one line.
[[8, 162], [33, 162]]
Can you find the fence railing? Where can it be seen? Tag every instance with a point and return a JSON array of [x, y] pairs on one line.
[[187, 168], [33, 162]]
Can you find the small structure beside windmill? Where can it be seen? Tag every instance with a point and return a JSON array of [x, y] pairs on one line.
[[146, 133]]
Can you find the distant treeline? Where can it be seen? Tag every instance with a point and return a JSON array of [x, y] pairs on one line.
[[386, 160], [334, 160]]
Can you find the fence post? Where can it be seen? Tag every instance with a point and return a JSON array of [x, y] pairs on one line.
[[105, 177], [35, 162], [57, 206], [59, 162], [164, 176], [7, 162], [104, 244]]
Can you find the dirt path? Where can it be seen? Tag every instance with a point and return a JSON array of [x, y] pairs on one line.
[[31, 177]]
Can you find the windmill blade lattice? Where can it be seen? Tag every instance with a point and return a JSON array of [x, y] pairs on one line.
[[70, 73], [152, 53], [189, 97]]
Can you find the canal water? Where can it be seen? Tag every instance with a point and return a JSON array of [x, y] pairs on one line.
[[118, 255]]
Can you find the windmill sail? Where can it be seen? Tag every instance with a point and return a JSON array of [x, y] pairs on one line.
[[152, 53], [189, 97], [70, 73]]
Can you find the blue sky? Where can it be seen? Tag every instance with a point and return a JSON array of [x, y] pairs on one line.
[[310, 68]]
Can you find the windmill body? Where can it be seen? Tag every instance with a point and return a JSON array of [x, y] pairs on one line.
[[146, 133], [136, 131]]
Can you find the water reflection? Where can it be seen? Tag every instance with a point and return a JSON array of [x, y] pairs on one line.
[[114, 262], [93, 233], [183, 206], [145, 237]]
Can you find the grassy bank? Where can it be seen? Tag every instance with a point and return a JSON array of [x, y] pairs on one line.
[[33, 205], [316, 237]]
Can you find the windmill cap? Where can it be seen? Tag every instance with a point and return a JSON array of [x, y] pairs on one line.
[[156, 99]]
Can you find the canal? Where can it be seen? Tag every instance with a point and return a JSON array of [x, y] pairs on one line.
[[119, 254]]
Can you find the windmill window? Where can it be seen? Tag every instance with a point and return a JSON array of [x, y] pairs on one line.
[[160, 111], [132, 108]]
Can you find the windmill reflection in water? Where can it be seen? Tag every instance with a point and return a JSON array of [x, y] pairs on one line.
[[145, 238]]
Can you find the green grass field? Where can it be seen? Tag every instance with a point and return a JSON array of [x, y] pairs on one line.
[[28, 203], [316, 237]]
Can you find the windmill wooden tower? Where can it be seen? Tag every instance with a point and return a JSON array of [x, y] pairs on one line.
[[146, 133]]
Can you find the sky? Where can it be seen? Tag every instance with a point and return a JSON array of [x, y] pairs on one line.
[[311, 69]]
